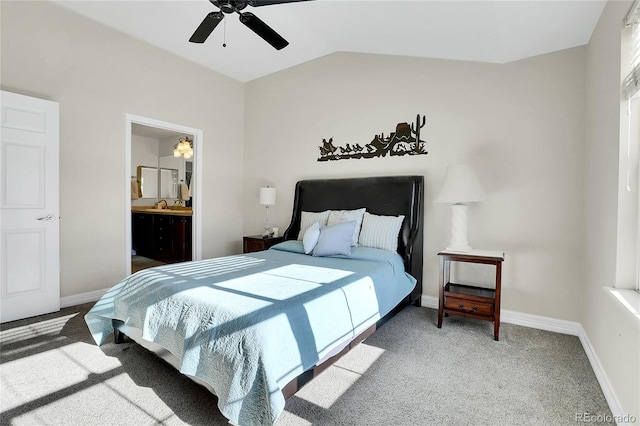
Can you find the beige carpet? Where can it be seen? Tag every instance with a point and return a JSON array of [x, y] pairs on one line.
[[408, 373]]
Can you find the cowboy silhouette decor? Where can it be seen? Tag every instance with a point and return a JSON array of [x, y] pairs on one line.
[[404, 141]]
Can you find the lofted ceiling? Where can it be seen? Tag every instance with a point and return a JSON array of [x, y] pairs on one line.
[[486, 31]]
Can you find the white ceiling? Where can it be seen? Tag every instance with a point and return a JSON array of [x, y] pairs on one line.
[[486, 31]]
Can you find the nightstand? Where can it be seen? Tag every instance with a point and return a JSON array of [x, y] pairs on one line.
[[258, 243], [468, 300]]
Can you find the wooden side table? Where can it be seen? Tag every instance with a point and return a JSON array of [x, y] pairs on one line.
[[253, 243], [468, 300]]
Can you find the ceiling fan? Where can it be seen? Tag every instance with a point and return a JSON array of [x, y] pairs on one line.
[[254, 23]]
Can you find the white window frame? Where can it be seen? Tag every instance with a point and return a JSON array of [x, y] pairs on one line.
[[634, 184], [631, 91], [626, 290], [629, 190]]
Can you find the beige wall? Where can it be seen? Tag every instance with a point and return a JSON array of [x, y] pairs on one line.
[[98, 75], [521, 126], [615, 339]]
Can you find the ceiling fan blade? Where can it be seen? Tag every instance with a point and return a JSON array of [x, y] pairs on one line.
[[256, 25], [256, 3], [206, 27]]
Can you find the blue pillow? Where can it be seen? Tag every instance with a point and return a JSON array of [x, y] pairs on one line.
[[335, 239], [310, 238]]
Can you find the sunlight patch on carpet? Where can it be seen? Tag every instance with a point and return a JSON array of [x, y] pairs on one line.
[[292, 419], [69, 364], [38, 329], [326, 389]]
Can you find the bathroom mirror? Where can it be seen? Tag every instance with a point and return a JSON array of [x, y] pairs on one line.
[[168, 183], [148, 181], [184, 170]]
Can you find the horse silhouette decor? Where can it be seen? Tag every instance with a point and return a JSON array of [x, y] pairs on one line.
[[404, 141]]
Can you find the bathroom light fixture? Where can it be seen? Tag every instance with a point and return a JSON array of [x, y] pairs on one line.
[[267, 198], [184, 148], [460, 188]]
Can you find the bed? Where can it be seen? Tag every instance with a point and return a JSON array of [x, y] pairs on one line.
[[254, 328]]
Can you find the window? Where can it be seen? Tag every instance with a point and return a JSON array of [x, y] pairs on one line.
[[633, 185], [631, 141], [631, 84]]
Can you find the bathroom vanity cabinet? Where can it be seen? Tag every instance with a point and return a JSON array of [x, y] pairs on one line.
[[162, 236]]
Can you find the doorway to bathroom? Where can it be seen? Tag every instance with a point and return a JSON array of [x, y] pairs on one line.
[[163, 205]]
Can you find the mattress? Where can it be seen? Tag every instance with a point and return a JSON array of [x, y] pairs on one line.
[[246, 325]]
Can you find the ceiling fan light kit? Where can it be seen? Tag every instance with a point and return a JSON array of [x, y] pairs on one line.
[[250, 20]]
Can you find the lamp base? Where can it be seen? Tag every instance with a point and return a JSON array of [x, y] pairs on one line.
[[266, 231], [459, 229], [459, 247]]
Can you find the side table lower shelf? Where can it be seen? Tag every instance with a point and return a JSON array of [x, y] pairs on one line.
[[469, 300]]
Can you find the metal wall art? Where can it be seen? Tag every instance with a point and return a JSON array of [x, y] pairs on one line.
[[404, 141]]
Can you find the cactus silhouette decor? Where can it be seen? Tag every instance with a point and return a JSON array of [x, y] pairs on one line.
[[404, 141]]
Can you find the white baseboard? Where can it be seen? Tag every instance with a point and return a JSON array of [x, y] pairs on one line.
[[607, 389], [429, 302], [559, 326], [541, 323], [79, 299], [525, 320]]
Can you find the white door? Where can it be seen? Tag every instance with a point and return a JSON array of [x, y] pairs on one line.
[[29, 207]]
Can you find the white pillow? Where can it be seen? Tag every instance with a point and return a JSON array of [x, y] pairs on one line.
[[310, 238], [309, 218], [339, 216], [380, 231]]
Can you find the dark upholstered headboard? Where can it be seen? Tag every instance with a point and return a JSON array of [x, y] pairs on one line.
[[389, 196]]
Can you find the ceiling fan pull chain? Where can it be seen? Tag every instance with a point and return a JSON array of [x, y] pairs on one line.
[[224, 36]]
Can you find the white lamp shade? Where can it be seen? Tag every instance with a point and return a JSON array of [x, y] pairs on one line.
[[461, 185], [267, 196]]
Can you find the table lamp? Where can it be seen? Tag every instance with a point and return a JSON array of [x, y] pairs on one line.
[[267, 198], [461, 187]]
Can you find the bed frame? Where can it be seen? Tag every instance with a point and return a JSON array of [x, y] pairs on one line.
[[389, 196]]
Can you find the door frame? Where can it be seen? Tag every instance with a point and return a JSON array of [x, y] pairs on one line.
[[196, 219]]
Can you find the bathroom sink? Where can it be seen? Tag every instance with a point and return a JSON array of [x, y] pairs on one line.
[[179, 212]]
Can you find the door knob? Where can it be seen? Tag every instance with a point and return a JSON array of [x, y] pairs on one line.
[[48, 218]]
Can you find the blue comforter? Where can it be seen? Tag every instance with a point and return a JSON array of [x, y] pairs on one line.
[[248, 324]]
